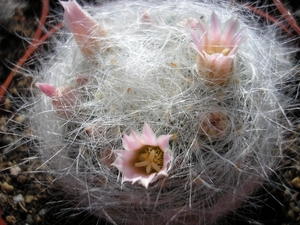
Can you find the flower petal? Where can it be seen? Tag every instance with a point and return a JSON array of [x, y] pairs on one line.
[[123, 164], [47, 89], [64, 100], [215, 28], [85, 29], [196, 39], [146, 180], [131, 143], [231, 27], [148, 135], [163, 142], [167, 159]]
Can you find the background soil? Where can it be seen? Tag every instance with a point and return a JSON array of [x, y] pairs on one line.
[[29, 197]]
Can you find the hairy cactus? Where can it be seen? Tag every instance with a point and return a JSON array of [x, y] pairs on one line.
[[168, 112]]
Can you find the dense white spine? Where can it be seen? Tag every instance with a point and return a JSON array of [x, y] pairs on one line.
[[146, 72]]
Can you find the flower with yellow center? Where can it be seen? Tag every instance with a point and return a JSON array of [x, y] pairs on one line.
[[216, 48], [145, 158]]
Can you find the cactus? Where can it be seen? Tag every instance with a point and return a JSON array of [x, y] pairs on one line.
[[205, 77]]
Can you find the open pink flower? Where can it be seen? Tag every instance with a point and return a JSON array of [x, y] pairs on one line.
[[85, 29], [145, 157], [216, 48], [63, 98]]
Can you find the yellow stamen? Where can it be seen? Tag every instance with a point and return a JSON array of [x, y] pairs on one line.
[[225, 51], [217, 49], [151, 157]]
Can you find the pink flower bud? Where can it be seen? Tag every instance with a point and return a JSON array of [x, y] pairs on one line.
[[63, 98], [86, 30], [47, 89], [215, 125]]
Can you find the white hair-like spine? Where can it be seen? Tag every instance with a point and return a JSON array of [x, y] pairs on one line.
[[148, 73]]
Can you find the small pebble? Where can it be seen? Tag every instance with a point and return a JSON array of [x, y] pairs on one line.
[[296, 182], [21, 178], [3, 129], [7, 187], [29, 219], [291, 214], [2, 121], [294, 196], [29, 198], [287, 192], [7, 104], [42, 212], [3, 198], [19, 119], [7, 140], [38, 219], [292, 204], [18, 198], [13, 91], [15, 170], [11, 219]]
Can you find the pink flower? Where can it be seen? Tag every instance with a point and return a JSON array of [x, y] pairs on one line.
[[63, 98], [145, 157], [85, 29], [216, 48]]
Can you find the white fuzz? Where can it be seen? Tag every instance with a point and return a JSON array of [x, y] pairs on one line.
[[147, 73]]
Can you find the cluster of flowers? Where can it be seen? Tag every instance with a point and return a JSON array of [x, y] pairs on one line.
[[145, 157]]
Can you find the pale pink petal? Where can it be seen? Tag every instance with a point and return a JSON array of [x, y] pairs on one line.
[[202, 28], [220, 64], [122, 162], [78, 20], [236, 39], [215, 28], [192, 23], [198, 49], [233, 51], [125, 155], [149, 137], [64, 100], [83, 26], [131, 143], [167, 160], [231, 27], [163, 142], [146, 180], [47, 89], [203, 34], [196, 38]]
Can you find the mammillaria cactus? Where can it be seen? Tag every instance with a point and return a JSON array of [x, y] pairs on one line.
[[182, 99]]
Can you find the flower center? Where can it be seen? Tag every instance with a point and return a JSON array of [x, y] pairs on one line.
[[150, 157], [217, 49]]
